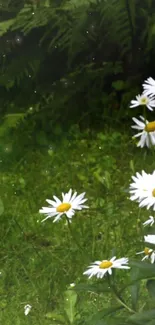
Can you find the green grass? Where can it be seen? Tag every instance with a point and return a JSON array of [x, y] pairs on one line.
[[38, 260]]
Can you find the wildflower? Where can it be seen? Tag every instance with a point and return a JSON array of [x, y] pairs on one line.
[[143, 100], [149, 254], [150, 239], [137, 188], [150, 222], [147, 132], [67, 206], [27, 309], [149, 87], [143, 190], [100, 268]]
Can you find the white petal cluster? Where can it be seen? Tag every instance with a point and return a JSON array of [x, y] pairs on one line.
[[100, 268], [143, 189], [146, 138], [143, 100], [149, 87], [27, 309], [148, 222], [149, 239], [147, 98], [69, 203], [149, 254]]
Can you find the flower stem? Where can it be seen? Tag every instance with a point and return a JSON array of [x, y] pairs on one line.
[[150, 144], [118, 297], [73, 234]]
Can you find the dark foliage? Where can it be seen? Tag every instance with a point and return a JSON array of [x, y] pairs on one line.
[[73, 61]]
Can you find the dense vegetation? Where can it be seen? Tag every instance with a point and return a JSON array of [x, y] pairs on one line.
[[72, 61]]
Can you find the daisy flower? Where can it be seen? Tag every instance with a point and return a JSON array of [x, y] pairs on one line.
[[149, 87], [100, 268], [138, 187], [69, 203], [147, 132], [150, 239], [143, 100], [143, 190], [27, 309], [150, 222], [149, 254]]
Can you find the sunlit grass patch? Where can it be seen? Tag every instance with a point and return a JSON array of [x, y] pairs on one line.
[[40, 260]]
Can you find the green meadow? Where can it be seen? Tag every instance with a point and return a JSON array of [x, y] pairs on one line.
[[39, 260]]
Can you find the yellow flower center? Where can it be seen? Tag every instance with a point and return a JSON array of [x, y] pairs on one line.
[[150, 127], [105, 264], [144, 101], [63, 207], [147, 251], [153, 192]]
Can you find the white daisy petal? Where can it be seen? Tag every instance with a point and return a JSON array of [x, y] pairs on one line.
[[150, 221], [152, 257], [51, 202], [149, 254], [140, 123], [67, 196], [56, 199], [73, 197], [58, 217], [150, 239], [100, 268], [143, 100], [143, 190], [149, 87], [47, 210], [27, 309], [148, 132], [69, 203]]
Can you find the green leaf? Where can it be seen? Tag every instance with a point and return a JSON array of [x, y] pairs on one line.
[[141, 318], [118, 85], [145, 270], [56, 317], [50, 152], [70, 302], [132, 167], [107, 179], [151, 287], [97, 288], [5, 25], [98, 318], [22, 182], [135, 287]]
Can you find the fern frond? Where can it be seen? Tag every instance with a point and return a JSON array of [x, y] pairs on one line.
[[27, 20], [20, 67], [5, 25], [115, 14]]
